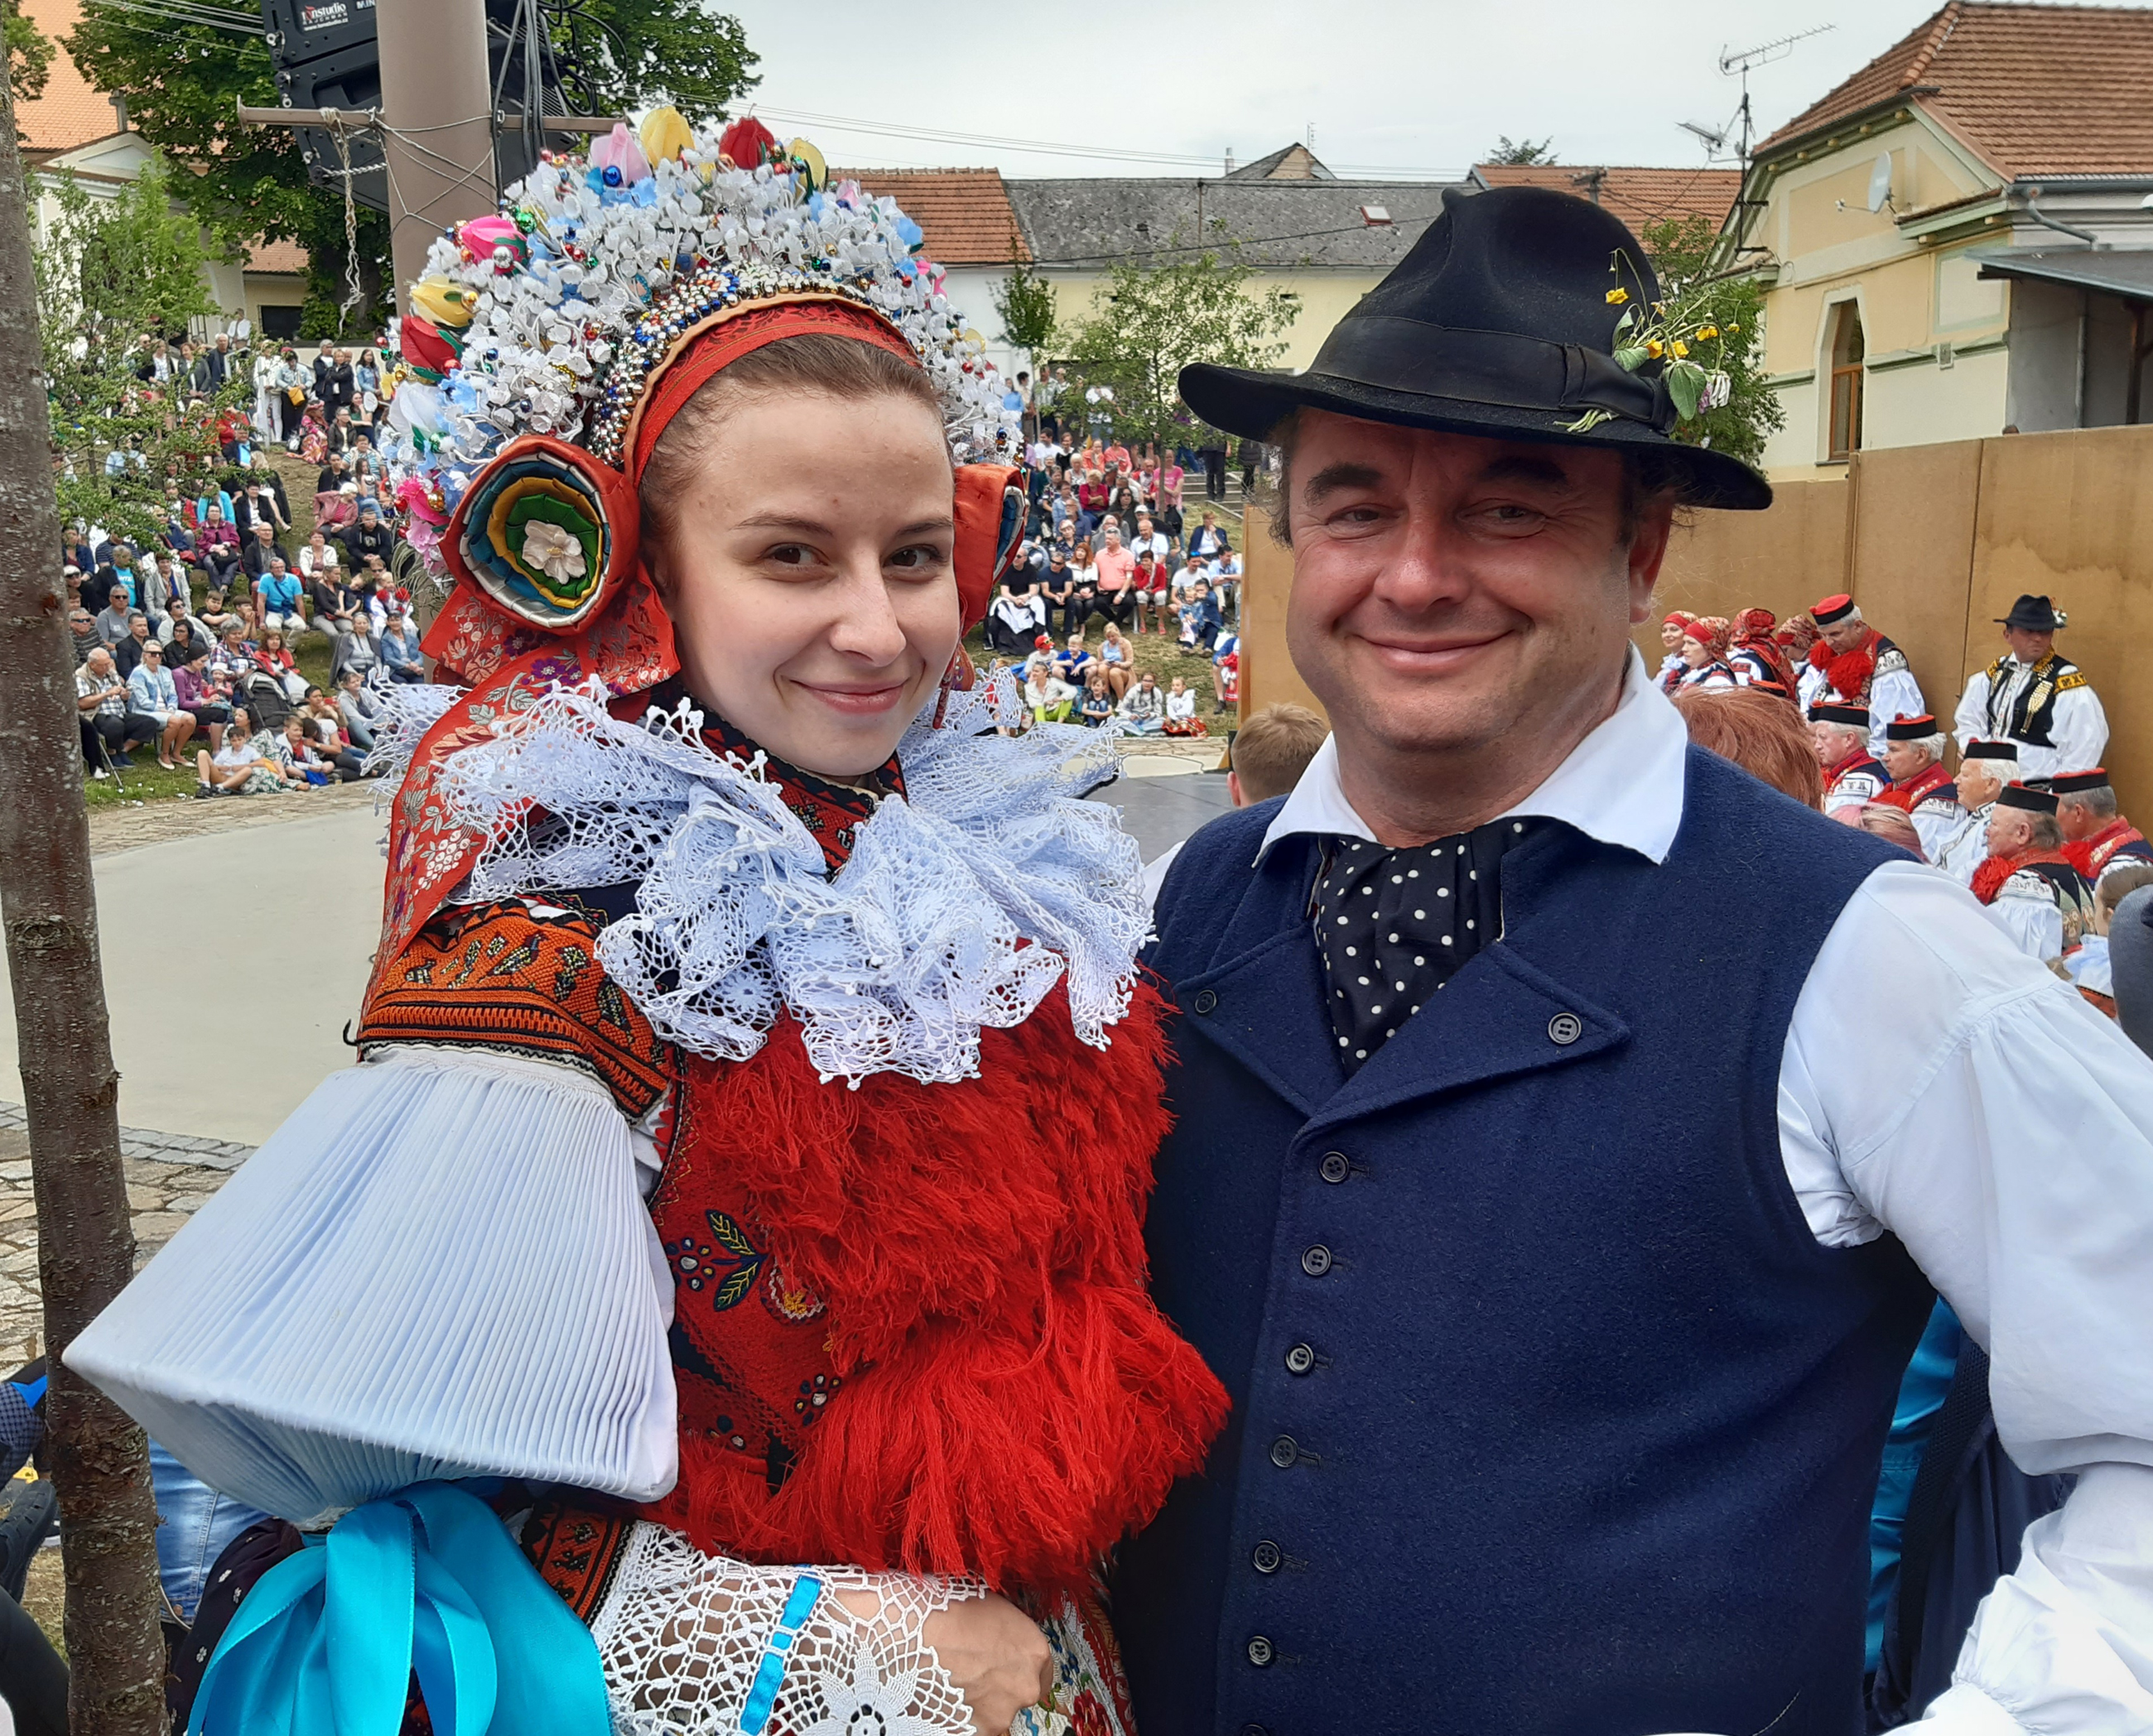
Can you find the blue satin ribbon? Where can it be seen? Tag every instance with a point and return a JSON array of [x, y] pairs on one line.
[[425, 1580]]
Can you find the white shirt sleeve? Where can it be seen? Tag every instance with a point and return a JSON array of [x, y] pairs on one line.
[[1971, 721], [2025, 909], [2080, 730], [1978, 1108], [1894, 693]]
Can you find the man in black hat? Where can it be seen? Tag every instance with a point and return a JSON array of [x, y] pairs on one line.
[[2034, 698], [2030, 885], [1984, 767], [1853, 777], [2097, 837], [1555, 1414]]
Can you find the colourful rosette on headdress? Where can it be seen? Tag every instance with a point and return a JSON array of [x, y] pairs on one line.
[[542, 530]]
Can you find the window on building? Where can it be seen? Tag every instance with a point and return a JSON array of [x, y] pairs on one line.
[[280, 322], [1846, 356]]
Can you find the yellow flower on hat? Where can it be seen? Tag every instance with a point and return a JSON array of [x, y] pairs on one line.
[[1616, 297], [663, 135]]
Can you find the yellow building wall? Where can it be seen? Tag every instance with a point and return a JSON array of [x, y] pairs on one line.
[[1326, 297]]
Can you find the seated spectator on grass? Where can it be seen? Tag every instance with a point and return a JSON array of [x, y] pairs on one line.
[[214, 614], [369, 536], [337, 507], [118, 571], [1047, 696], [1114, 576], [242, 767], [296, 755], [1143, 709], [127, 652], [1096, 708], [189, 637], [108, 727], [1151, 585], [82, 633], [1207, 542], [152, 693], [1073, 663], [399, 647], [273, 656], [1181, 718], [325, 729], [276, 595], [334, 604], [1200, 620], [111, 622], [216, 547], [210, 709], [355, 648], [232, 661], [358, 709], [1226, 583], [319, 557], [257, 553], [1225, 671], [1118, 661], [1148, 540]]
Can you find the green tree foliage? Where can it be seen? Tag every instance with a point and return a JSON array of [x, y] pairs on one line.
[[1026, 302], [182, 82], [1522, 153], [110, 273], [1153, 320], [1681, 250], [29, 57]]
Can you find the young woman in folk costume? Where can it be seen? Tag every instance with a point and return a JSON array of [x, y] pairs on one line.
[[757, 1098]]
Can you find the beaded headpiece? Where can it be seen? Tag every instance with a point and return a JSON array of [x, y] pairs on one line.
[[541, 339]]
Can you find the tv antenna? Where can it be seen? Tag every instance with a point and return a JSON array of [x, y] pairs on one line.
[[1741, 62], [1714, 138]]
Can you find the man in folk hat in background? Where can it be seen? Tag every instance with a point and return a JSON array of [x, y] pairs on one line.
[[1853, 777], [2097, 836], [1984, 767], [1921, 788], [1853, 664], [1553, 1414], [2034, 698], [2031, 887]]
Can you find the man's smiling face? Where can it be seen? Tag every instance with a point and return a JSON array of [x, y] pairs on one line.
[[1450, 591]]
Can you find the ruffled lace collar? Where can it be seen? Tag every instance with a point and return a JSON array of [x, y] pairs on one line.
[[964, 902]]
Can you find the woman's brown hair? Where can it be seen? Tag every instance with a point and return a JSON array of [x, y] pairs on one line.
[[1762, 734], [816, 363]]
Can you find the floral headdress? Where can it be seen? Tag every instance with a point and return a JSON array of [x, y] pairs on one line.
[[547, 348]]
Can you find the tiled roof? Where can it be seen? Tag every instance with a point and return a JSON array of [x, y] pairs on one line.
[[70, 112], [1638, 196], [1089, 225], [2034, 90], [288, 257], [964, 213]]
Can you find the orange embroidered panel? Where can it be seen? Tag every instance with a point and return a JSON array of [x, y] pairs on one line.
[[499, 977]]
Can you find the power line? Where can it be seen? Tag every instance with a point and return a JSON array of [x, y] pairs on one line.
[[180, 11], [1045, 148], [1221, 246]]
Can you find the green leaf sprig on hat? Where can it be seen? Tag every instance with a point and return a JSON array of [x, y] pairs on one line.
[[1681, 334]]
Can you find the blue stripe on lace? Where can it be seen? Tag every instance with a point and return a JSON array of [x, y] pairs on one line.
[[770, 1673], [425, 1580]]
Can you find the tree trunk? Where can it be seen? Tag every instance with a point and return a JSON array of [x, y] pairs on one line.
[[85, 1242]]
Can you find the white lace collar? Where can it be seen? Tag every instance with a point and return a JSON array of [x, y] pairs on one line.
[[962, 904]]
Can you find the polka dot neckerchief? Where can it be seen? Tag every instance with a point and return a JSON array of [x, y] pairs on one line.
[[1393, 926]]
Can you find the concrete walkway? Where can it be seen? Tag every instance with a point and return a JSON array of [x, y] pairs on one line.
[[232, 960]]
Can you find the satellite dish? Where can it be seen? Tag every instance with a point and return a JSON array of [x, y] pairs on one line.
[[1879, 183]]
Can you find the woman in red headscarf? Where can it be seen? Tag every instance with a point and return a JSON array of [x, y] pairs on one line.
[[758, 1096], [1705, 669], [1754, 652]]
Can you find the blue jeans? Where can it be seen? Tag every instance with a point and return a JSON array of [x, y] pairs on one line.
[[194, 1525]]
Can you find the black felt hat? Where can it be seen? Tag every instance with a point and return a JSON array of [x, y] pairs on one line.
[[2026, 796], [1497, 323], [2035, 615]]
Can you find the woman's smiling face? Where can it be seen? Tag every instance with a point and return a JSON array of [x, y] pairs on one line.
[[812, 582]]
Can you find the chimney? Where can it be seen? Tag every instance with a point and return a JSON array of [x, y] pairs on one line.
[[1229, 159]]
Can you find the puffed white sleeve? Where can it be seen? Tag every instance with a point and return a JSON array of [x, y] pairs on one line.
[[440, 1266], [2080, 729], [2025, 909], [1971, 722]]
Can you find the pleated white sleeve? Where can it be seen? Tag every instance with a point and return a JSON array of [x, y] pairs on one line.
[[439, 1266]]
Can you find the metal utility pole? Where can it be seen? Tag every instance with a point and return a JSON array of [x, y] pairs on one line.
[[85, 1239], [437, 115]]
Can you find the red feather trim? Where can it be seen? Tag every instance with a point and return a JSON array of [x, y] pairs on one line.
[[1013, 1400], [1989, 876]]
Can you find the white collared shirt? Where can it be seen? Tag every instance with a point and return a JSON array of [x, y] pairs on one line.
[[1939, 1083]]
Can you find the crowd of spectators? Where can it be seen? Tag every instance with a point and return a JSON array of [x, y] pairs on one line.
[[189, 643]]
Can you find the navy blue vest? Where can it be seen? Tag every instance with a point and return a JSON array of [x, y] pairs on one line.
[[1551, 1418]]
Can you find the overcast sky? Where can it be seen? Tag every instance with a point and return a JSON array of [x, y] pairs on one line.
[[1418, 89]]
